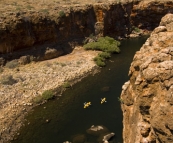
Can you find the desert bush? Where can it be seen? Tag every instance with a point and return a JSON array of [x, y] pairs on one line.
[[29, 7], [105, 44], [62, 64], [100, 63], [46, 11], [48, 64], [120, 100], [66, 85], [98, 58], [136, 29], [38, 99], [105, 55], [48, 94], [12, 64], [1, 70], [18, 8], [61, 13], [8, 80]]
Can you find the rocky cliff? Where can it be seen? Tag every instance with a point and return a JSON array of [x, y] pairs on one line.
[[61, 27], [147, 98]]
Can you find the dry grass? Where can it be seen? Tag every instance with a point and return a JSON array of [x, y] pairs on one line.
[[7, 6]]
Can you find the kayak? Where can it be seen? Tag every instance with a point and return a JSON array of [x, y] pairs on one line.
[[103, 100], [87, 104]]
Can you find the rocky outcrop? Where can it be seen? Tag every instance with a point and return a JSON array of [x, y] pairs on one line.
[[63, 26], [147, 98], [148, 13]]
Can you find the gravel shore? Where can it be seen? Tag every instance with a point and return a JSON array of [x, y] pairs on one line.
[[32, 80]]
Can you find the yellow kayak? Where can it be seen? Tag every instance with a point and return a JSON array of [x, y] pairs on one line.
[[103, 100], [87, 104]]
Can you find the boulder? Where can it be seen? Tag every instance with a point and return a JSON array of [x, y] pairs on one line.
[[108, 137], [97, 130]]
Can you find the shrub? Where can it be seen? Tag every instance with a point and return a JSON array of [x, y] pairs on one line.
[[29, 7], [62, 64], [66, 85], [38, 99], [8, 80], [98, 58], [105, 55], [12, 64], [136, 29], [120, 100], [100, 63], [18, 8], [48, 94], [1, 70], [46, 11], [105, 44], [61, 13]]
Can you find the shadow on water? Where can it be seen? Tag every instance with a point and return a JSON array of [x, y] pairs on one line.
[[66, 115]]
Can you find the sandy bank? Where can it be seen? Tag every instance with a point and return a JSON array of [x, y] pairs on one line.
[[32, 80]]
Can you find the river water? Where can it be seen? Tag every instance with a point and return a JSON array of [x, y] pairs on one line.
[[66, 115]]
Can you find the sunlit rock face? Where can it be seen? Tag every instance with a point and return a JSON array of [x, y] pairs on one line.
[[147, 98]]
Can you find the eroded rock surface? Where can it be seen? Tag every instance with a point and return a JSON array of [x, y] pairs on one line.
[[25, 29], [148, 97]]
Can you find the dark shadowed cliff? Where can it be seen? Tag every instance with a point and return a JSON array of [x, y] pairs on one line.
[[53, 33]]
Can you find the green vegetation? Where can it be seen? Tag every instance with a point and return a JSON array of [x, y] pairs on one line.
[[38, 99], [136, 29], [1, 70], [66, 85], [105, 55], [12, 64], [62, 64], [99, 61], [8, 80], [48, 94], [105, 44], [61, 13], [120, 100], [29, 7], [46, 11], [18, 8]]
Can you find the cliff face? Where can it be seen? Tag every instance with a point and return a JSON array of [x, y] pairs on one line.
[[148, 13], [66, 25], [28, 29], [147, 98]]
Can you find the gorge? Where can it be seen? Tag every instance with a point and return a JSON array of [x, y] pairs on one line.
[[32, 35]]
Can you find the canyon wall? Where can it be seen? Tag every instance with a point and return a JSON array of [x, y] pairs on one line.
[[64, 26], [147, 98]]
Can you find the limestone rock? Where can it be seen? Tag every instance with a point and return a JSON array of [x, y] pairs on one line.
[[97, 130], [108, 136], [148, 97]]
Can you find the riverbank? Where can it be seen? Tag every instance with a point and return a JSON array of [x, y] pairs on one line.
[[33, 79]]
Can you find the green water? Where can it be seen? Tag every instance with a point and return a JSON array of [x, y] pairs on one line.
[[67, 115]]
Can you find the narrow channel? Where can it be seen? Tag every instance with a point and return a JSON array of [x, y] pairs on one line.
[[66, 115]]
